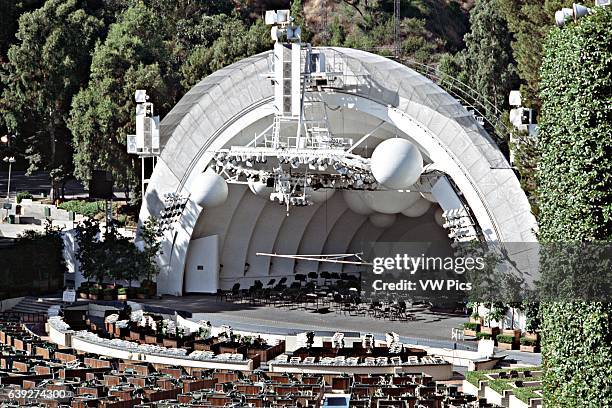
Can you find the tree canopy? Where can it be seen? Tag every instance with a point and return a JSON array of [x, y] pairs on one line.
[[45, 69]]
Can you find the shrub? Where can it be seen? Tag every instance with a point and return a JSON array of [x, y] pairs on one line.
[[94, 291], [528, 342], [471, 326], [483, 336], [23, 195], [525, 393], [86, 208], [122, 291], [573, 190], [502, 338]]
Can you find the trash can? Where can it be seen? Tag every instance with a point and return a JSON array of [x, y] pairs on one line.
[[11, 218], [47, 211]]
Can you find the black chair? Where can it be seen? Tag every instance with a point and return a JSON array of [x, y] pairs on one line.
[[313, 276], [326, 276], [300, 278], [271, 282], [235, 293]]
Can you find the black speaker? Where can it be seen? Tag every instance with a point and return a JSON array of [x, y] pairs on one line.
[[101, 185]]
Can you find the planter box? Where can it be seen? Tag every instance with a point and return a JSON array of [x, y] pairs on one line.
[[173, 343], [109, 297], [137, 336], [530, 349], [532, 336], [493, 331], [93, 296], [121, 332], [514, 333], [505, 346], [83, 295], [478, 320], [152, 339], [122, 297], [468, 332]]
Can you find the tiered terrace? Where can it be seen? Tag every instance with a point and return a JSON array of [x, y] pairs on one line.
[[89, 380]]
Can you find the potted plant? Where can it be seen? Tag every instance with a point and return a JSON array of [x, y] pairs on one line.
[[514, 333], [84, 293], [94, 293], [471, 328], [497, 311], [483, 336], [532, 320], [529, 345], [142, 293], [122, 294], [109, 294], [505, 342]]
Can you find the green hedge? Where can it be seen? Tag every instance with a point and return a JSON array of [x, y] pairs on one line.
[[86, 208], [483, 336], [526, 393], [528, 342], [502, 338], [471, 326], [574, 196], [473, 377], [23, 195]]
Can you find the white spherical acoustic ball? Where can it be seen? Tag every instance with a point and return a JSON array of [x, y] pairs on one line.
[[420, 207], [354, 201], [259, 188], [210, 190], [396, 163], [321, 195], [382, 220], [429, 197], [438, 217], [389, 201]]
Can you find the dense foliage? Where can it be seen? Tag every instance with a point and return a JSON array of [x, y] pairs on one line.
[[109, 256], [574, 187], [33, 265]]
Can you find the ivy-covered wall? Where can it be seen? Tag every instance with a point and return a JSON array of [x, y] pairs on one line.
[[574, 196]]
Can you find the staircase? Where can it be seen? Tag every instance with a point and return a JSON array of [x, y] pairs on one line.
[[31, 304]]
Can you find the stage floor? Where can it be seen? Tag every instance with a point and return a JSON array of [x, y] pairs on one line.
[[427, 326], [429, 329]]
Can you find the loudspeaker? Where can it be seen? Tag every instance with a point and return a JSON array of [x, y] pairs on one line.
[[580, 11], [101, 185], [563, 15]]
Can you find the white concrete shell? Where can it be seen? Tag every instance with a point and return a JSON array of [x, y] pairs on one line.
[[231, 105]]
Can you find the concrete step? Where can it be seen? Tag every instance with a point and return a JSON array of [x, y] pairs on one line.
[[32, 304]]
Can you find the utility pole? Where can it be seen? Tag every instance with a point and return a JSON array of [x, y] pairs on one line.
[[397, 15]]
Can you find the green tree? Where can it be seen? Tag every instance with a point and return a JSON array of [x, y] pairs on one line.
[[574, 179], [134, 55], [149, 234], [529, 21], [46, 67], [233, 43], [488, 61]]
